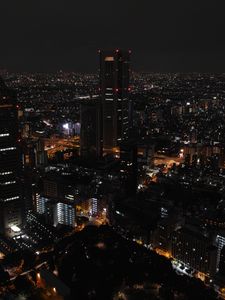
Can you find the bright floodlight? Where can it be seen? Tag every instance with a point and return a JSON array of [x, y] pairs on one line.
[[15, 228], [66, 126]]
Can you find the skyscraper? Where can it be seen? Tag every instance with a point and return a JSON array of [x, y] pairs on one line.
[[91, 129], [114, 89], [129, 168], [10, 187]]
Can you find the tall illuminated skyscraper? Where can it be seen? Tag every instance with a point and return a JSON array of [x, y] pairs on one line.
[[114, 89], [10, 187]]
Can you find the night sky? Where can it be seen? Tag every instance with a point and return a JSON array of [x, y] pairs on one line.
[[164, 35]]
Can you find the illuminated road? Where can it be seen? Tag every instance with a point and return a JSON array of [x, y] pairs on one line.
[[27, 272], [58, 144], [168, 161]]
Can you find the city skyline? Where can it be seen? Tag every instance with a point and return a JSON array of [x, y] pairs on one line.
[[164, 37], [112, 150], [130, 179]]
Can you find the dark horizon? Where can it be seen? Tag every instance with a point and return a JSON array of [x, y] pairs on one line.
[[164, 37]]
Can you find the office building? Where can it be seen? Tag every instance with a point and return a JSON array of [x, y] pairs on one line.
[[10, 187], [222, 262], [41, 203], [94, 207], [65, 214], [114, 90], [162, 235], [91, 133], [57, 212], [194, 250], [220, 243], [129, 170]]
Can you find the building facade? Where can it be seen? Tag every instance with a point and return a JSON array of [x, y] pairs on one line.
[[91, 129], [194, 250], [114, 90], [11, 203]]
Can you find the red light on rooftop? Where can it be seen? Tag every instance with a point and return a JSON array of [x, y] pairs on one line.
[[117, 50], [117, 90], [130, 51], [129, 89]]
